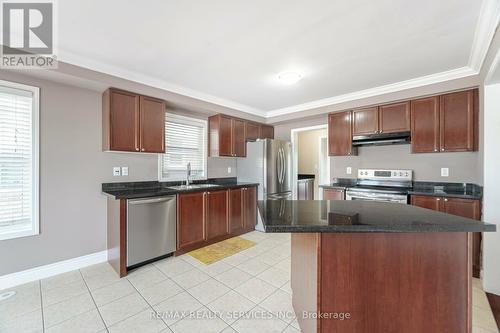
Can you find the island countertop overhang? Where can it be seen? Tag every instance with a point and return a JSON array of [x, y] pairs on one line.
[[339, 216]]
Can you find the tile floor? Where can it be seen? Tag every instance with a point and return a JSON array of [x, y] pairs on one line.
[[247, 292]]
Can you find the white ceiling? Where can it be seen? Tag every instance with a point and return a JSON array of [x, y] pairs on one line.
[[230, 51]]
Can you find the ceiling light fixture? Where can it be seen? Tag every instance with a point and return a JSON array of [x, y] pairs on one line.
[[289, 77]]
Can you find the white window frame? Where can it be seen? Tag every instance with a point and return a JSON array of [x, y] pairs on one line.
[[35, 110], [204, 145]]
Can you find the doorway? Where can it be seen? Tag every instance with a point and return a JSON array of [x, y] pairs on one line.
[[310, 156]]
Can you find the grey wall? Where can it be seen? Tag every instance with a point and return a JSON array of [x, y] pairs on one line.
[[72, 168]]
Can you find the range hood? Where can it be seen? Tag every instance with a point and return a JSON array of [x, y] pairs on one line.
[[381, 139]]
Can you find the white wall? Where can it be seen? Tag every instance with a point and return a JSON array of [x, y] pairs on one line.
[[491, 199]]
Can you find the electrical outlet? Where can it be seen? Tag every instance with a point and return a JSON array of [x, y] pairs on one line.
[[445, 172], [116, 171], [348, 170], [124, 171], [228, 170]]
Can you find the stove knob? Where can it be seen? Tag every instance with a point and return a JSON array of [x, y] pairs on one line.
[[406, 174], [400, 174]]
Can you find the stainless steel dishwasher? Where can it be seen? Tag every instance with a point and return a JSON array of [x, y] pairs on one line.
[[151, 228]]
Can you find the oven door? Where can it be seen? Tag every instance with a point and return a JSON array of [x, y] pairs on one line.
[[370, 196]]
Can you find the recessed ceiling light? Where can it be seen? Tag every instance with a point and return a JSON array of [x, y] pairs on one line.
[[289, 77]]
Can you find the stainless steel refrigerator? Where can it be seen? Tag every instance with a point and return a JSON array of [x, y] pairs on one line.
[[269, 163]]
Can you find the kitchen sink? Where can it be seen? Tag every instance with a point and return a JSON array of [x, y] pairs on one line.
[[192, 186]]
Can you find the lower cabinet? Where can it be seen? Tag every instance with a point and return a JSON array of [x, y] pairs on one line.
[[333, 194], [217, 214], [250, 207], [461, 207], [191, 212], [206, 217]]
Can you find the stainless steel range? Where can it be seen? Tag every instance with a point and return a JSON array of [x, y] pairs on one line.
[[381, 185]]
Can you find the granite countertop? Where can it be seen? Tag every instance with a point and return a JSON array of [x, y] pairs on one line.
[[360, 216], [135, 190], [451, 190], [437, 189]]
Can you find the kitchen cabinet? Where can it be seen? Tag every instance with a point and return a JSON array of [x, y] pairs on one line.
[[252, 131], [210, 216], [242, 209], [394, 118], [250, 207], [425, 125], [216, 214], [191, 215], [458, 121], [456, 206], [266, 132], [132, 123], [365, 121], [226, 136], [446, 123], [333, 194], [236, 219], [340, 134], [391, 118]]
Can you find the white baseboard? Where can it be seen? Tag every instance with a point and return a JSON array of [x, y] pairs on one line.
[[42, 272]]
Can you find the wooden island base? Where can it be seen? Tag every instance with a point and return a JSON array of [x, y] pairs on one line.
[[384, 282]]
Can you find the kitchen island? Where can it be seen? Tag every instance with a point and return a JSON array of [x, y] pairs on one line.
[[362, 266]]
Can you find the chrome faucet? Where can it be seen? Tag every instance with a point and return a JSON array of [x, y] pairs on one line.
[[188, 173]]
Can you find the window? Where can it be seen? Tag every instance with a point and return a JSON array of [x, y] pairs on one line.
[[185, 142], [18, 160]]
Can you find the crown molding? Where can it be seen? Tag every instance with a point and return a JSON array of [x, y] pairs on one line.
[[84, 62], [389, 88], [487, 24]]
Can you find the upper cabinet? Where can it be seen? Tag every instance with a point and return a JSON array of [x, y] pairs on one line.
[[365, 121], [425, 125], [266, 132], [446, 123], [227, 136], [133, 123], [340, 134], [392, 118]]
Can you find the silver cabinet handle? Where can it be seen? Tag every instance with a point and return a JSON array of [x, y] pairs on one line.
[[445, 199], [438, 199]]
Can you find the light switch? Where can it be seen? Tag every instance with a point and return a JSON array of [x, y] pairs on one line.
[[116, 171], [124, 171], [228, 170], [445, 172], [348, 170]]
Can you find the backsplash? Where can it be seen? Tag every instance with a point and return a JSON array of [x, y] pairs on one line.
[[463, 167]]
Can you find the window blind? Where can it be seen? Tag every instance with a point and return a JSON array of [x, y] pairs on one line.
[[17, 163], [185, 142]]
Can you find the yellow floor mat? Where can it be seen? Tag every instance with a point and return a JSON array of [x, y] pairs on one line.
[[215, 252]]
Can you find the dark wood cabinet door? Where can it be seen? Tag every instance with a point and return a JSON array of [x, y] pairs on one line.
[[191, 211], [333, 194], [152, 129], [394, 118], [266, 132], [239, 142], [236, 220], [463, 207], [250, 207], [365, 121], [457, 121], [340, 134], [225, 136], [217, 214], [252, 131], [425, 125], [123, 121], [425, 201]]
